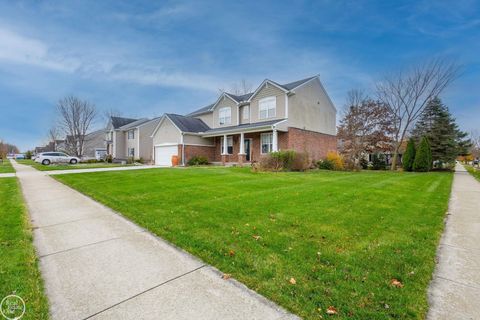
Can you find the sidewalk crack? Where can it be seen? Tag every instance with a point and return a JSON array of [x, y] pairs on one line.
[[145, 291]]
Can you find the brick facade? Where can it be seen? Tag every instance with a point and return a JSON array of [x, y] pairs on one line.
[[314, 143], [191, 151]]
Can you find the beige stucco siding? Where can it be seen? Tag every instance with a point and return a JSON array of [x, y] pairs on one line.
[[268, 90], [120, 150], [197, 140], [311, 109], [145, 131], [167, 133], [207, 118], [225, 102], [131, 143]]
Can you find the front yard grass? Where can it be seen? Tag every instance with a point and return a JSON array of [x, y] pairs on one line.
[[18, 268], [473, 171], [307, 241], [51, 167], [6, 167]]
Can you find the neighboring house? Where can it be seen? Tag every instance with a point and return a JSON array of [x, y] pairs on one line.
[[94, 146], [294, 116], [130, 138]]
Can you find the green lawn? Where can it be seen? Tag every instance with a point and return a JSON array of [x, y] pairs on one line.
[[18, 268], [473, 171], [6, 167], [342, 236], [41, 167]]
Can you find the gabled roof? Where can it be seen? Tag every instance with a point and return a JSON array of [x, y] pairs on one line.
[[134, 124], [118, 122], [295, 84], [246, 97], [187, 124], [201, 110]]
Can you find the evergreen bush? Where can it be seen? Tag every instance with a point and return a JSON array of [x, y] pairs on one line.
[[423, 157]]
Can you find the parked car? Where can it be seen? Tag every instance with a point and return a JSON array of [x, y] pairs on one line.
[[20, 156], [47, 158]]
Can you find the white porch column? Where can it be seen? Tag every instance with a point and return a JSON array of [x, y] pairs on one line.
[[274, 141], [225, 145], [242, 147]]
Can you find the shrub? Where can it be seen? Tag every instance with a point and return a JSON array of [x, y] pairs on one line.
[[130, 160], [108, 158], [197, 161], [409, 156], [300, 162], [90, 161], [325, 164], [378, 161], [283, 161], [140, 160], [336, 159], [364, 163], [423, 157]]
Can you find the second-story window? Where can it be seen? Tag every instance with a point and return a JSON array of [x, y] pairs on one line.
[[267, 107], [246, 113], [225, 116], [131, 134]]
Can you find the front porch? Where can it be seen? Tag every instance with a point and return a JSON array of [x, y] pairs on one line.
[[247, 147]]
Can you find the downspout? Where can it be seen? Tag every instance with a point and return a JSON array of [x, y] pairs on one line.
[[183, 151]]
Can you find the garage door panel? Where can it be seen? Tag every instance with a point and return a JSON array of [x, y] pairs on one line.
[[163, 154]]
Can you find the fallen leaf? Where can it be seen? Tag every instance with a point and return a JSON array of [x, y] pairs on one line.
[[256, 237], [292, 281], [231, 253], [226, 276], [396, 283], [331, 310]]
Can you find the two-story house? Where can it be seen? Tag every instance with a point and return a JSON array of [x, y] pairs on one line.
[[130, 138], [294, 116]]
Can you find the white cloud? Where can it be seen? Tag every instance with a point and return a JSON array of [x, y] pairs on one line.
[[19, 49]]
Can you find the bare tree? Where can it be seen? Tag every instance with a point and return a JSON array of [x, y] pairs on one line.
[[53, 135], [75, 118], [239, 88], [475, 139], [407, 94], [109, 113]]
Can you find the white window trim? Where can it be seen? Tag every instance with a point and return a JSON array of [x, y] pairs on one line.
[[229, 138], [133, 134], [219, 116], [246, 108], [274, 98], [261, 142]]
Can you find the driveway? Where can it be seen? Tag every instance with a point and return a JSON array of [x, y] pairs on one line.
[[98, 265], [455, 289]]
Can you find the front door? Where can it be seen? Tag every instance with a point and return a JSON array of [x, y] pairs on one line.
[[247, 149]]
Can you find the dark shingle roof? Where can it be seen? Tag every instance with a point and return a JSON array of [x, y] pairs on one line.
[[188, 124], [292, 85], [118, 122], [134, 124], [245, 97]]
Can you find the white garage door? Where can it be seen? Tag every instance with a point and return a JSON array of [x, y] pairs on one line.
[[163, 155]]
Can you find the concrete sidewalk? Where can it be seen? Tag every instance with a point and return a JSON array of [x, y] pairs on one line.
[[454, 292], [98, 265]]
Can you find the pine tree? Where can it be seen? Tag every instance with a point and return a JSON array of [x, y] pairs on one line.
[[439, 127], [409, 156], [423, 157]]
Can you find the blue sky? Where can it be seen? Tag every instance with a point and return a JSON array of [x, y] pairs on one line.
[[145, 58]]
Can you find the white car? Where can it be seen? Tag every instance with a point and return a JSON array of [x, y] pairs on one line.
[[47, 158]]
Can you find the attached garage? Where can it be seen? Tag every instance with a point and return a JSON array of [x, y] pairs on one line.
[[163, 154]]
